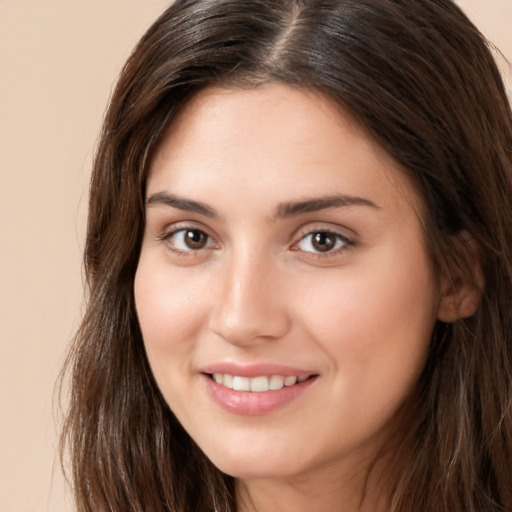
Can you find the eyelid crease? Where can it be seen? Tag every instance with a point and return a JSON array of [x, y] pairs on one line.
[[346, 233], [348, 243], [166, 236], [178, 225], [167, 233], [345, 239], [310, 229]]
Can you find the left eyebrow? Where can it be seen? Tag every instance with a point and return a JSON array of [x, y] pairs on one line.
[[290, 209]]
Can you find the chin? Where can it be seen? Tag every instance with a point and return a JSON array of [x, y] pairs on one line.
[[255, 463], [244, 470]]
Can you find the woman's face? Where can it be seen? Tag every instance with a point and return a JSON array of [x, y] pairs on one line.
[[284, 292]]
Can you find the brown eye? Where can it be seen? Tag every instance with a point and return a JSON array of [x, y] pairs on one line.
[[195, 239], [188, 240], [323, 242]]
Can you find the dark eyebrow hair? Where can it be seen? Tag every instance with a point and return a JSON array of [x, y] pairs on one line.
[[187, 205], [288, 209], [321, 203]]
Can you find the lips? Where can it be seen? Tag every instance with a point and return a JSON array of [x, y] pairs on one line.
[[255, 389]]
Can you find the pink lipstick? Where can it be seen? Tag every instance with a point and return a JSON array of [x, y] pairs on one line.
[[255, 389]]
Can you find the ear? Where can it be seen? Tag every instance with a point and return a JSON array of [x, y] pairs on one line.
[[462, 288]]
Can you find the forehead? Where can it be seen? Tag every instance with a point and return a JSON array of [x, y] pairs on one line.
[[273, 137], [245, 114]]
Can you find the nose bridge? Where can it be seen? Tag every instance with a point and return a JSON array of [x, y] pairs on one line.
[[249, 305]]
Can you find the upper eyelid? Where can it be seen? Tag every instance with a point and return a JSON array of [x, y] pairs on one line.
[[347, 242], [174, 227], [166, 235], [330, 232], [343, 232], [325, 227], [179, 230], [347, 236]]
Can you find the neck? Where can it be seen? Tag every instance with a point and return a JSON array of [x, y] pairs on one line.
[[326, 490]]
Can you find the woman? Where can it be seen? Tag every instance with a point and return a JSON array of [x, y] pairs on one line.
[[299, 266]]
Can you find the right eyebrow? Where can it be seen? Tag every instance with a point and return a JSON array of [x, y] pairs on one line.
[[187, 205]]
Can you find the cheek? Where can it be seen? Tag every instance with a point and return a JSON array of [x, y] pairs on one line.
[[376, 323], [166, 301], [169, 312]]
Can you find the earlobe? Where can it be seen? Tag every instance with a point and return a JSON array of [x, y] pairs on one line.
[[461, 293]]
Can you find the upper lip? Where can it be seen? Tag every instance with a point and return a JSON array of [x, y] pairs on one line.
[[254, 369]]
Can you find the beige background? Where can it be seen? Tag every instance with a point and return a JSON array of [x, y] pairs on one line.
[[58, 61]]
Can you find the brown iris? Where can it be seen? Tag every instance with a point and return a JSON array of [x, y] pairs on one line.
[[195, 239], [323, 241]]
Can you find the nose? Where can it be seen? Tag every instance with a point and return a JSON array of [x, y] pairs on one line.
[[250, 306]]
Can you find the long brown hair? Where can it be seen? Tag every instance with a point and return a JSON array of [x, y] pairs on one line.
[[420, 78]]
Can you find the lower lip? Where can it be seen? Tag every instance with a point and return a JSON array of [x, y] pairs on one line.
[[254, 403]]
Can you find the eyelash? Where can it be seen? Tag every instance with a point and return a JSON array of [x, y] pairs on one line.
[[190, 252], [342, 243], [211, 244]]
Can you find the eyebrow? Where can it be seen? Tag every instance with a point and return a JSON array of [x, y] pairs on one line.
[[284, 210], [291, 209], [187, 205]]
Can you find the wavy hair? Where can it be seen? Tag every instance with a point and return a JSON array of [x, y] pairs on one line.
[[421, 80]]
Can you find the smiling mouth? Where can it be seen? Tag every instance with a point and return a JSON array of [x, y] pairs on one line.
[[257, 384]]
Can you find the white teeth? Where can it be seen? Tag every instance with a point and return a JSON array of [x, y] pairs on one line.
[[290, 381], [276, 382], [259, 384], [256, 384], [228, 381], [241, 383]]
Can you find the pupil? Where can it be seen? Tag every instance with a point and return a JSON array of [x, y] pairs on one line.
[[195, 239], [323, 242]]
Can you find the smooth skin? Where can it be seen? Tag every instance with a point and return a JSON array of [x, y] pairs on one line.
[[232, 270]]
